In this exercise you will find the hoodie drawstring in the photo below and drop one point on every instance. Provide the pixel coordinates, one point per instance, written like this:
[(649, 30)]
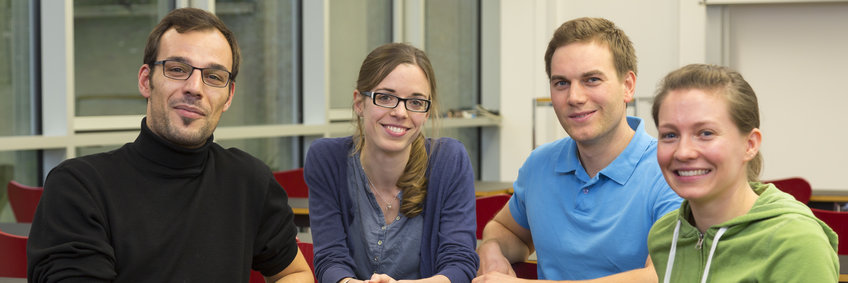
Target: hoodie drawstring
[(670, 264)]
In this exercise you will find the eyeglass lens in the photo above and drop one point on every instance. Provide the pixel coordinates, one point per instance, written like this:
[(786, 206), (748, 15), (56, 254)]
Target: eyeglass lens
[(182, 71), (391, 101)]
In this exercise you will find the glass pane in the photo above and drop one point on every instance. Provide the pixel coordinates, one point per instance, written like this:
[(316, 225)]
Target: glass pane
[(109, 39), (267, 86), (16, 97), (21, 166), (279, 153), (267, 90), (356, 28), (452, 39)]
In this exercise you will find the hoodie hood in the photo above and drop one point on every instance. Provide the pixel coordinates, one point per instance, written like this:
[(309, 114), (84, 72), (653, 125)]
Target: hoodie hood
[(772, 203)]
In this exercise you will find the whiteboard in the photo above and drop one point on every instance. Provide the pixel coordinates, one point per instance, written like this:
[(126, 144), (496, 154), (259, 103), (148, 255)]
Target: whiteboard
[(795, 56)]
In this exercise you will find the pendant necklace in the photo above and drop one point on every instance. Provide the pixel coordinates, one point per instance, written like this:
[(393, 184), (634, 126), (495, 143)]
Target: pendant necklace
[(374, 189)]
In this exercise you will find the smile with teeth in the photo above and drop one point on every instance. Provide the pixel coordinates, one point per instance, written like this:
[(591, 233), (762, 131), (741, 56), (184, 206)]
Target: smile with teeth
[(577, 116), (687, 173), (395, 129)]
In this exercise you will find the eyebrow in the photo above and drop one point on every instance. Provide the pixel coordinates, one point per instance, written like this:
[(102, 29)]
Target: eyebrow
[(210, 66), (395, 92), (592, 73)]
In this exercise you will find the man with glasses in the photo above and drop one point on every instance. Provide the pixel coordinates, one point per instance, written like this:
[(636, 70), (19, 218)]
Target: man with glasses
[(584, 203), (172, 206)]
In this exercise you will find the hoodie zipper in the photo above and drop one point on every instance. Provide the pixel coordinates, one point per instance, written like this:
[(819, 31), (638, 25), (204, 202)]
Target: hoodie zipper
[(700, 241)]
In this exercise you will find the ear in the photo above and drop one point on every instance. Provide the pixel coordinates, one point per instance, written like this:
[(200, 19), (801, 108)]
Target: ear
[(144, 80), (357, 103), (629, 86), (230, 98), (755, 138)]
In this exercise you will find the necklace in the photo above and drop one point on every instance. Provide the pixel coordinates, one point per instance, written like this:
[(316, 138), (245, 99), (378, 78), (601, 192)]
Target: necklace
[(374, 189)]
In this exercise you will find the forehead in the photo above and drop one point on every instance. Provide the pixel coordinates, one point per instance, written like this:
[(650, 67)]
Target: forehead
[(577, 58), (694, 104), (201, 48), (406, 79)]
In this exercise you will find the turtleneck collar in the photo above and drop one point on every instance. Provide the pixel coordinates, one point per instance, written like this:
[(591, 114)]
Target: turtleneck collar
[(171, 157)]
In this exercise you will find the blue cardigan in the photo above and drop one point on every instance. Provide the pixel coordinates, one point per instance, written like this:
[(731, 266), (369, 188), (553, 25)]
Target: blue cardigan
[(448, 245)]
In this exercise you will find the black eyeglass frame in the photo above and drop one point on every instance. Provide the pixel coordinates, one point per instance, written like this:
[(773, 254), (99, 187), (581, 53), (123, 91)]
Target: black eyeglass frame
[(373, 96), (202, 77)]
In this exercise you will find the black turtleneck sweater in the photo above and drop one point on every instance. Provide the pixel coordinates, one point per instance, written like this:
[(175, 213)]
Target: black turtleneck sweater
[(151, 211)]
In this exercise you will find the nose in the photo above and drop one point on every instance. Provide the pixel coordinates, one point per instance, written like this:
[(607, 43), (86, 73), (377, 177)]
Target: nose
[(194, 83), (576, 95), (400, 109), (686, 149)]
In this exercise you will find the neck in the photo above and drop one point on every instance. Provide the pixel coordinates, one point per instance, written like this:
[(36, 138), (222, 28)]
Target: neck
[(736, 202), (596, 155), (383, 170)]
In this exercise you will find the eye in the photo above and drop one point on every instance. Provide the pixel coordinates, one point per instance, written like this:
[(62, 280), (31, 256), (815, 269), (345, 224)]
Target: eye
[(667, 136), (384, 98), (561, 83), (706, 133), (216, 77), (593, 81), (178, 69)]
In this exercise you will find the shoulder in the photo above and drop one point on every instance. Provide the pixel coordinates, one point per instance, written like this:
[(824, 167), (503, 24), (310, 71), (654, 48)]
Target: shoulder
[(553, 150), (236, 158), (445, 146)]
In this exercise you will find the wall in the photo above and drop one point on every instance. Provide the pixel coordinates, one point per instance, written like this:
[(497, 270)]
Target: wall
[(525, 29)]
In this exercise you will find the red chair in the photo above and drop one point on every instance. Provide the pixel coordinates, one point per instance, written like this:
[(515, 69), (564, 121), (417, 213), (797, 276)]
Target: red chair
[(838, 221), (13, 260), (24, 200), (525, 269), (487, 207), (796, 186), (293, 182)]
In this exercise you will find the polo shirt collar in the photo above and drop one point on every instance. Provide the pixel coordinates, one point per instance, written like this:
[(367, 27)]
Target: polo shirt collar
[(622, 168)]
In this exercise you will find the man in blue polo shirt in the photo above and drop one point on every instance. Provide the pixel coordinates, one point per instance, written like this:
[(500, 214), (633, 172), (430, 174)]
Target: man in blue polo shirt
[(584, 203)]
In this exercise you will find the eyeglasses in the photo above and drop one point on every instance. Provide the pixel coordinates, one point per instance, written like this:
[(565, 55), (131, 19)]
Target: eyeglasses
[(391, 101), (181, 71)]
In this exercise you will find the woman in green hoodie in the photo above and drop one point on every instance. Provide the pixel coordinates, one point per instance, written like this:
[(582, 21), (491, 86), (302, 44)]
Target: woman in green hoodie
[(730, 227)]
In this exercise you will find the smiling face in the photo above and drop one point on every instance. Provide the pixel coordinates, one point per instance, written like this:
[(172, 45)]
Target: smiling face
[(701, 152), (186, 112), (588, 96), (392, 130)]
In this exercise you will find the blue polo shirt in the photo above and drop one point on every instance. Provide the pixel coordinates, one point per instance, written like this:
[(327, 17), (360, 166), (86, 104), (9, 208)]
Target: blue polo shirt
[(585, 228)]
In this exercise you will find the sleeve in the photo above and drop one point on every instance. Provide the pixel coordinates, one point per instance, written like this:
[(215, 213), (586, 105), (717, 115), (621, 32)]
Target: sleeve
[(516, 202), (666, 199), (323, 166), (69, 239), (456, 257), (275, 246), (802, 253)]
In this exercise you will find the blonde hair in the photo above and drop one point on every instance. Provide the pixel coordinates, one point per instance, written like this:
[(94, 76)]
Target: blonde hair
[(376, 66), (741, 99)]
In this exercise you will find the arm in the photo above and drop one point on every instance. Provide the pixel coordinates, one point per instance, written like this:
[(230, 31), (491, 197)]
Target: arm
[(504, 242), (645, 274), (70, 236), (325, 164), (450, 251), (297, 271)]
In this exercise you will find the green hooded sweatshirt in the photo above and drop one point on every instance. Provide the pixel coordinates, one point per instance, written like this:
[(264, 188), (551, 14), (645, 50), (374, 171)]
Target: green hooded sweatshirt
[(778, 240)]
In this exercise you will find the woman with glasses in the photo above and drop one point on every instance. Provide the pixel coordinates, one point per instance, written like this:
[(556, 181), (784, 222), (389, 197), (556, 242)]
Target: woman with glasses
[(387, 203), (730, 227)]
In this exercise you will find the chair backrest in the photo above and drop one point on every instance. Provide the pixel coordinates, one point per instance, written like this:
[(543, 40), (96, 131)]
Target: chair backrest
[(838, 221), (24, 200), (305, 248), (293, 182), (795, 186), (525, 269), (487, 207), (13, 261)]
